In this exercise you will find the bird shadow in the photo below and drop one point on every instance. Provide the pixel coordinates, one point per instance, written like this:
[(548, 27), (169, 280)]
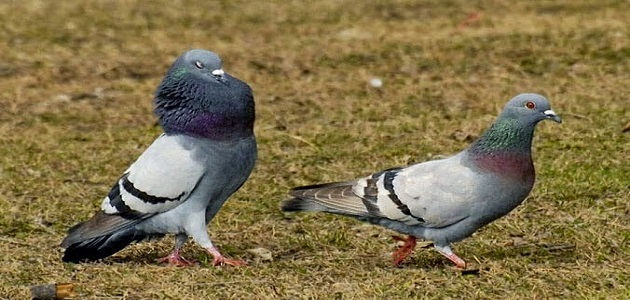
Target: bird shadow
[(535, 253), (132, 259), (423, 258)]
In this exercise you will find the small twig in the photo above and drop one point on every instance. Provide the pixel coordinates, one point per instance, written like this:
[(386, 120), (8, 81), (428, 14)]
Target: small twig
[(583, 117), (301, 139), (557, 247)]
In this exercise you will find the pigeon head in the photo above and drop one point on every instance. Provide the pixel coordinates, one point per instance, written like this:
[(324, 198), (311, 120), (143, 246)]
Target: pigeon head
[(197, 98), (505, 148), (530, 109)]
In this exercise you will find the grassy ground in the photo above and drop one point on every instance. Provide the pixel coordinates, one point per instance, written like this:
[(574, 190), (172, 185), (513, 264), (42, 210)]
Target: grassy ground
[(76, 84)]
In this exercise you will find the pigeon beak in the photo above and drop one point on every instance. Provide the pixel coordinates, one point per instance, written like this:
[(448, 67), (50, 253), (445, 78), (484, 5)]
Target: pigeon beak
[(219, 74), (550, 114)]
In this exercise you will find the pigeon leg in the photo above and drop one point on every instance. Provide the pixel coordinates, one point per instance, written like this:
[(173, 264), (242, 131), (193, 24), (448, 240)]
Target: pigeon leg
[(220, 260), (174, 258), (404, 251), (448, 253), (199, 233)]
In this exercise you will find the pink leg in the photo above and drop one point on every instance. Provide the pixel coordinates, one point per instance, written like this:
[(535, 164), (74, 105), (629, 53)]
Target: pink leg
[(220, 260), (175, 259), (404, 251), (448, 253)]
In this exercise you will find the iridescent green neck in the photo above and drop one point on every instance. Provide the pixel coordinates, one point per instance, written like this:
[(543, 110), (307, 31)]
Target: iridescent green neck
[(506, 134), (505, 149)]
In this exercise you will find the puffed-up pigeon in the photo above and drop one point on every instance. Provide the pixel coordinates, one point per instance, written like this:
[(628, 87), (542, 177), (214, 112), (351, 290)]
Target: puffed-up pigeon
[(445, 200), (180, 182)]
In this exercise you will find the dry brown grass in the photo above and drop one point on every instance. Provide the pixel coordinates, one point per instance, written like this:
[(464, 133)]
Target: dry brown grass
[(76, 82)]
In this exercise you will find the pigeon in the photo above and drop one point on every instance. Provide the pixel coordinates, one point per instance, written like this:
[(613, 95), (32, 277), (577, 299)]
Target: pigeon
[(445, 200), (206, 152)]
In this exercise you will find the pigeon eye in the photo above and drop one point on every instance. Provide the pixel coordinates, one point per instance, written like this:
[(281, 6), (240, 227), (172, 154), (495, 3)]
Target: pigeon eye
[(199, 65), (530, 105)]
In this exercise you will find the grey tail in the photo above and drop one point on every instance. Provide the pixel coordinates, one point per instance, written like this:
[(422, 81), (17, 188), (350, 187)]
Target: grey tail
[(99, 247), (100, 237), (299, 204), (337, 198)]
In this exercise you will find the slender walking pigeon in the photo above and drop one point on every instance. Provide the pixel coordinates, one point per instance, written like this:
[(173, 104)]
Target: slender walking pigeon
[(444, 200), (180, 182)]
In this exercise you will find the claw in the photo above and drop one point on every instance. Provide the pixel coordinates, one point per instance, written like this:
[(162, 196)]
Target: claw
[(220, 260)]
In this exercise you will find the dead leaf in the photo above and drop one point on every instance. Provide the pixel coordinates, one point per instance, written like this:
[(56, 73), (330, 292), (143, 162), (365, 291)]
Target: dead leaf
[(261, 254)]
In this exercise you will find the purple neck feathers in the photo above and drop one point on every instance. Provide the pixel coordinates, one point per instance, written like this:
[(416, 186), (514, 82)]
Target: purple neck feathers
[(505, 149)]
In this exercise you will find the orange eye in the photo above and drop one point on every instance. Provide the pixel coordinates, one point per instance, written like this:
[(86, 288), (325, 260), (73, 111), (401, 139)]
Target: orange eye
[(530, 105)]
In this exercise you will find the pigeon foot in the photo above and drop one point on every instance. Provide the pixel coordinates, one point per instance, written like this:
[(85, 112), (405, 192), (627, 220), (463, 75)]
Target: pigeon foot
[(176, 260), (404, 251), (448, 253), (220, 260)]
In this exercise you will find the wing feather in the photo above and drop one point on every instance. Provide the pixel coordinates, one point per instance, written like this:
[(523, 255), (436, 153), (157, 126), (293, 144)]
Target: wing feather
[(440, 192), (159, 180)]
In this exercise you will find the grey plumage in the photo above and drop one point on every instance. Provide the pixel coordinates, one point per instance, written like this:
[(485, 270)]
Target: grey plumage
[(445, 200), (180, 182)]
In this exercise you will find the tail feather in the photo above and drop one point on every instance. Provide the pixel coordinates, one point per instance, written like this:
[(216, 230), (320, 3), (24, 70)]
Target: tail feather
[(299, 204), (100, 237), (337, 198), (100, 247)]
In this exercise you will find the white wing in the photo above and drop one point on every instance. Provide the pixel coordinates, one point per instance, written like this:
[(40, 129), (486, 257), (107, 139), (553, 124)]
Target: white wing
[(161, 178), (435, 193)]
